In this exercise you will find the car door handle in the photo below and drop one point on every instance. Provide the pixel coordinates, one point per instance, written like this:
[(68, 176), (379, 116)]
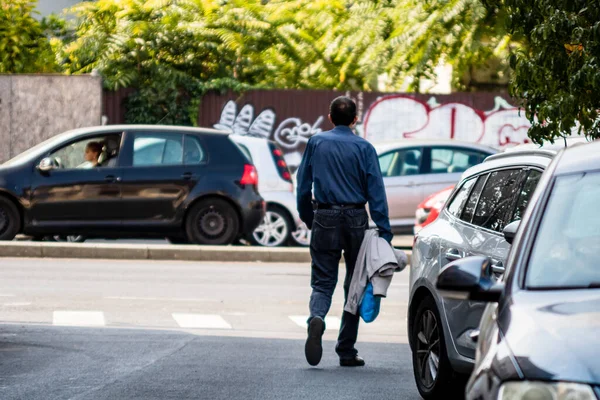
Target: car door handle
[(474, 335), (187, 176), (498, 268), (112, 178), (453, 254)]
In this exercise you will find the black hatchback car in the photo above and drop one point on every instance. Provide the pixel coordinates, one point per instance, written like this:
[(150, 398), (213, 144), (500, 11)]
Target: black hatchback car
[(187, 184), (540, 331)]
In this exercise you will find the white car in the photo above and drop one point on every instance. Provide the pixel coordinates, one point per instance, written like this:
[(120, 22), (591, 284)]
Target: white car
[(282, 224)]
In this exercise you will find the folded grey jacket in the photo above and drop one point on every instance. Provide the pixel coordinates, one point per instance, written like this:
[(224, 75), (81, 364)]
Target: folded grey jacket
[(377, 261)]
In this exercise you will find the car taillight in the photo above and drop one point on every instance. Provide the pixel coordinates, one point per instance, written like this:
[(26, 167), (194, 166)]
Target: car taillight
[(250, 176), (282, 167)]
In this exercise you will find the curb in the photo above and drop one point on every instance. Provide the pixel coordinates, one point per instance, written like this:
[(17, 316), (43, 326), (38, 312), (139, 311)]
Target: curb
[(157, 252)]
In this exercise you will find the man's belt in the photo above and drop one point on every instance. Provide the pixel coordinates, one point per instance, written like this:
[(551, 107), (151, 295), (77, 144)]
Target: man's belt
[(323, 206)]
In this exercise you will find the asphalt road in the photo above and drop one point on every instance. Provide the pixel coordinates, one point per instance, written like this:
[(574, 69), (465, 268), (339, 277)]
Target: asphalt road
[(94, 329)]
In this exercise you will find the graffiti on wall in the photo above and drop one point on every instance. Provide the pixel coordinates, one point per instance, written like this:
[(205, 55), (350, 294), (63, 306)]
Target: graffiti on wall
[(389, 118), (399, 117), (291, 134)]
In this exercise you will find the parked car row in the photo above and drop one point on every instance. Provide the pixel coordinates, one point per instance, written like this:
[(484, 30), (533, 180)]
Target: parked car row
[(535, 299), (186, 184)]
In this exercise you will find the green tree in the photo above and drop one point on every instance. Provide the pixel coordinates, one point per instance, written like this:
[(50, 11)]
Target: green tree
[(24, 45), (557, 74)]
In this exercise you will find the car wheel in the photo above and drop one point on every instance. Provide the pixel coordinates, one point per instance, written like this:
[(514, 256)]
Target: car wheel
[(431, 367), (10, 219), (302, 236), (212, 221), (274, 230)]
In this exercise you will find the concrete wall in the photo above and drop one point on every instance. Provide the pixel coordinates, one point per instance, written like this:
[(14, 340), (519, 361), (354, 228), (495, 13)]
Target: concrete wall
[(34, 108)]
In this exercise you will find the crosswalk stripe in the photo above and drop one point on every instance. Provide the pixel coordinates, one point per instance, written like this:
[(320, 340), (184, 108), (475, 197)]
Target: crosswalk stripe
[(201, 321), (330, 322), (78, 318)]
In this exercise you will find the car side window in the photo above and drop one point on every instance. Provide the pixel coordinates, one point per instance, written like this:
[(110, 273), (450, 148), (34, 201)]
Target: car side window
[(100, 151), (401, 163), (154, 149), (193, 153), (456, 205), (469, 210), (533, 178), (497, 199), (454, 160)]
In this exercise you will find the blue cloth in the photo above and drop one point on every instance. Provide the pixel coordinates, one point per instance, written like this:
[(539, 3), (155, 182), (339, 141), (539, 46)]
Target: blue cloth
[(344, 169), (370, 305)]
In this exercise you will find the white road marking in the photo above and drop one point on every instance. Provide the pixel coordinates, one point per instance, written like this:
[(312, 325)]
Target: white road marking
[(160, 299), (17, 304), (330, 322), (201, 321), (78, 318), (7, 295)]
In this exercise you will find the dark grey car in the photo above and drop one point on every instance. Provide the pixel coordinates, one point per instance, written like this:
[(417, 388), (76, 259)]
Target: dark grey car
[(539, 333), (442, 331)]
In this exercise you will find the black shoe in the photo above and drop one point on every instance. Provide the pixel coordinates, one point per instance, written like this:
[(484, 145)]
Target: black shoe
[(352, 362), (313, 348)]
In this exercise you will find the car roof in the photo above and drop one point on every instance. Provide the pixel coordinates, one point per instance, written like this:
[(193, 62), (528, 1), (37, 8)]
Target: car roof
[(537, 158), (136, 127), (404, 143), (579, 158)]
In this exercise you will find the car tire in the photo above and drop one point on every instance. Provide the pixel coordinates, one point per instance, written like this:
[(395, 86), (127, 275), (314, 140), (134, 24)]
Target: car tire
[(433, 373), (274, 230), (213, 222), (10, 219)]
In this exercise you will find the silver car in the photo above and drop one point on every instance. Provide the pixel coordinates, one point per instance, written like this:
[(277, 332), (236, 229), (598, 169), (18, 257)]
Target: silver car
[(443, 332), (414, 169)]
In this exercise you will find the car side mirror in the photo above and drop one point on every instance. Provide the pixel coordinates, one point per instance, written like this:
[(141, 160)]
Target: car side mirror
[(469, 278), (510, 231), (46, 165)]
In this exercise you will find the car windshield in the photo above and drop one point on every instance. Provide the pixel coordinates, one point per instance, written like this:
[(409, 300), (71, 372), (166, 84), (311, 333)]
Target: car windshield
[(565, 254), (39, 149)]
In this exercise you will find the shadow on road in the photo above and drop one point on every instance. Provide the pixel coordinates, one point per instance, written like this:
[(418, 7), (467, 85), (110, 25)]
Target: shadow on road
[(48, 362)]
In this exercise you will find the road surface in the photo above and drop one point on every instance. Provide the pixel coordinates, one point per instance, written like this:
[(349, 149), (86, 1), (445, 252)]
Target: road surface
[(96, 329)]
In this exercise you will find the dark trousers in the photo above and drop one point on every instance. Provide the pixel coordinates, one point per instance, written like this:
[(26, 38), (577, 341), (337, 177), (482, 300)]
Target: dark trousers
[(334, 231)]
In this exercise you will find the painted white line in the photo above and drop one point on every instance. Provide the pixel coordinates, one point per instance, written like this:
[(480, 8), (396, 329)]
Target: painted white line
[(330, 322), (78, 318), (160, 299), (17, 304), (201, 321), (7, 295)]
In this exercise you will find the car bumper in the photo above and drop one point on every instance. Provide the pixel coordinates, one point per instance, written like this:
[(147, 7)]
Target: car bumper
[(253, 208)]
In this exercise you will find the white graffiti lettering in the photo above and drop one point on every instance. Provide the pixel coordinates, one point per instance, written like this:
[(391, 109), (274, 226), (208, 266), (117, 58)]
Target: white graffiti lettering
[(292, 133)]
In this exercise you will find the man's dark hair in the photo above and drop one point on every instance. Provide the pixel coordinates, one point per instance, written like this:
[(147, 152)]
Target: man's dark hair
[(94, 147), (342, 111)]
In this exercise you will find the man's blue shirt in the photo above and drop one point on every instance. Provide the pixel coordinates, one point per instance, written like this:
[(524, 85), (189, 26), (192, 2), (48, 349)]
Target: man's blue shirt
[(344, 169)]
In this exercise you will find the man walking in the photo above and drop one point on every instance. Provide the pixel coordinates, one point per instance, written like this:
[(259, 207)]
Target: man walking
[(344, 170)]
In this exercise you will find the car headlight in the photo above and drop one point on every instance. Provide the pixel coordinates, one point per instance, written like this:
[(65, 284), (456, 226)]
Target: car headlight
[(545, 391)]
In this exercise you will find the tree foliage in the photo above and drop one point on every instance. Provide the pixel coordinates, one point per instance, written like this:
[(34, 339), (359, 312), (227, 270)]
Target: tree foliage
[(557, 74), (24, 44), (172, 51)]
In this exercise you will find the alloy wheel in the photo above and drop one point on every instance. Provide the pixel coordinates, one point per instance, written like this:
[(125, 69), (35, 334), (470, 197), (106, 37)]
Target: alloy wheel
[(428, 349), (273, 230)]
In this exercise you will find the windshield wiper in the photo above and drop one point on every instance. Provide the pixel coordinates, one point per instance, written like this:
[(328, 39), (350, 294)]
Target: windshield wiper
[(594, 285)]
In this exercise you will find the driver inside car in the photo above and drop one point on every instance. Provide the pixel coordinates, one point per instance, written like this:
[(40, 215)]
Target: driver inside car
[(91, 155)]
